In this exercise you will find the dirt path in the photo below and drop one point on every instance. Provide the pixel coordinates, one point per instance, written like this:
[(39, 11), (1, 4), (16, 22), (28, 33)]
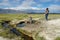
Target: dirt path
[(52, 29), (1, 38)]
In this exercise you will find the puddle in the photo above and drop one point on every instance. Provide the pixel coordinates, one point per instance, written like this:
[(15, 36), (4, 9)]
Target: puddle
[(21, 24), (5, 24), (18, 33)]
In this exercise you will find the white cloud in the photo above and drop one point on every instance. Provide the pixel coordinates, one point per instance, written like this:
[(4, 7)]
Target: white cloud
[(57, 0), (49, 1), (5, 3), (26, 5), (16, 0), (45, 0), (54, 7), (23, 8)]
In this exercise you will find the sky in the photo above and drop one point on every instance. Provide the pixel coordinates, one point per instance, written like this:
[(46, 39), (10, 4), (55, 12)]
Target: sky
[(53, 5)]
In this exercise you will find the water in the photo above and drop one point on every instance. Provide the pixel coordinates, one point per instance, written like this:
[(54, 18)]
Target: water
[(21, 25)]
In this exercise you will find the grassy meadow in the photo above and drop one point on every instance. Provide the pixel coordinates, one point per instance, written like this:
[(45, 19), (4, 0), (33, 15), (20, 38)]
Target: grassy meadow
[(23, 16)]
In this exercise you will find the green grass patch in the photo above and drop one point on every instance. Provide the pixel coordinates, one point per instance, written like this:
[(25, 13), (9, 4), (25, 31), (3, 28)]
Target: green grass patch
[(57, 38)]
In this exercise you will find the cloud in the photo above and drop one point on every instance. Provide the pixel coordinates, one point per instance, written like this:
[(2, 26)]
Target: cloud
[(54, 7), (24, 8), (54, 1), (45, 0), (57, 0), (5, 3), (16, 0), (26, 4)]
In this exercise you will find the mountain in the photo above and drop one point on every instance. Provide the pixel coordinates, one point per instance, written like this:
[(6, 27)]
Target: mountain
[(19, 11), (8, 11)]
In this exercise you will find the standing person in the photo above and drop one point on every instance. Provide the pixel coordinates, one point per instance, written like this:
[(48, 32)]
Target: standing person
[(46, 13)]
